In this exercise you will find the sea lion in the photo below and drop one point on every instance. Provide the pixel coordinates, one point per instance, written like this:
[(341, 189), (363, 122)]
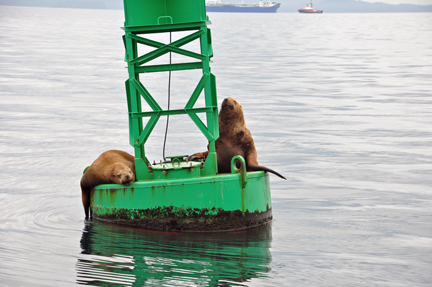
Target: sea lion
[(234, 139), (113, 166)]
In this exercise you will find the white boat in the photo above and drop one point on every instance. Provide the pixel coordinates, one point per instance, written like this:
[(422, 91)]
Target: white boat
[(261, 7)]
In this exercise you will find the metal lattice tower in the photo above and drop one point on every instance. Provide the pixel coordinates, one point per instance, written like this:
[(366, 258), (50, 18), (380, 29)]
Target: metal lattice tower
[(144, 17)]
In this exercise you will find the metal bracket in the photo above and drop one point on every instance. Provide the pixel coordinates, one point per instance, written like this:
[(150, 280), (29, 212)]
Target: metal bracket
[(238, 165)]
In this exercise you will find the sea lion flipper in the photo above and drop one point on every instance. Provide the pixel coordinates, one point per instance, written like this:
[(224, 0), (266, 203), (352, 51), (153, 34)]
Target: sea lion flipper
[(86, 202), (199, 155), (263, 168)]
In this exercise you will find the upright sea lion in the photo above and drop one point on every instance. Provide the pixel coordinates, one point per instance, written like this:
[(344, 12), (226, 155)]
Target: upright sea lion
[(234, 139), (113, 166)]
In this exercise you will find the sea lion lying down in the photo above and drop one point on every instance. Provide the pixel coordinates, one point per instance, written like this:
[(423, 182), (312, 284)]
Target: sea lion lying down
[(234, 139), (113, 166)]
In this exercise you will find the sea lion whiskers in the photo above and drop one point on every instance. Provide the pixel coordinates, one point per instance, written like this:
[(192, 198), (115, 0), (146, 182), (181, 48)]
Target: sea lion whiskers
[(122, 174)]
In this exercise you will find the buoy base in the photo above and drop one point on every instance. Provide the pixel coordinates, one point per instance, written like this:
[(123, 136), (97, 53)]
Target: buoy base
[(221, 202), (198, 222)]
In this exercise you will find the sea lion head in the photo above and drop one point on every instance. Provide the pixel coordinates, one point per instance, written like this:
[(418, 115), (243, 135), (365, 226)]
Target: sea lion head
[(231, 110), (122, 174)]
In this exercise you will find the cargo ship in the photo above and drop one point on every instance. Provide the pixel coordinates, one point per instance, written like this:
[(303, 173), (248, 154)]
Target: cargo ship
[(261, 7)]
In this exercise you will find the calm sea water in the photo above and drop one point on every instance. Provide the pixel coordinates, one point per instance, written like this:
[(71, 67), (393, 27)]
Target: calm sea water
[(341, 104)]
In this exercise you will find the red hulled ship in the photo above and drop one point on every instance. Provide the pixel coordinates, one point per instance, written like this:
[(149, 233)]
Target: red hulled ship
[(309, 9)]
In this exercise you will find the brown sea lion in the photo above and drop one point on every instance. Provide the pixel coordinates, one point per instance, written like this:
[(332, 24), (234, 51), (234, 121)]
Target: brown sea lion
[(113, 166), (234, 139)]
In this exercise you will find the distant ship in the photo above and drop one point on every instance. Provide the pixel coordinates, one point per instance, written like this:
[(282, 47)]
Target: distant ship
[(309, 9), (217, 6)]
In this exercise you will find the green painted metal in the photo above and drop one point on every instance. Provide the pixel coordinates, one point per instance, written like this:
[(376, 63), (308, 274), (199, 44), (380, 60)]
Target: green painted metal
[(205, 192), (162, 16), (177, 202), (178, 194), (159, 12)]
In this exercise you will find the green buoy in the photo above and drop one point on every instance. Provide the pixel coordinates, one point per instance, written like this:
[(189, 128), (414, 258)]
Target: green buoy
[(177, 194)]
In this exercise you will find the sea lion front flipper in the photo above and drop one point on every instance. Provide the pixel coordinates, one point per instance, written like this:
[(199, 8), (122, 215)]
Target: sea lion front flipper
[(199, 155)]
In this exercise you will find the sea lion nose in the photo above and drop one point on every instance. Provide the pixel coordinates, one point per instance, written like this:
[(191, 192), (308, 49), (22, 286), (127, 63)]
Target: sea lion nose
[(127, 176)]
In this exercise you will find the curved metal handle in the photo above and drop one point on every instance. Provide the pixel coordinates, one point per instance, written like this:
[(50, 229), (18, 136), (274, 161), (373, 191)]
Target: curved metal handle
[(165, 17), (238, 165), (174, 160)]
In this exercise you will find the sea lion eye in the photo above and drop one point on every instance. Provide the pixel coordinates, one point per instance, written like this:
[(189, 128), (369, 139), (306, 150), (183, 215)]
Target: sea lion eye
[(235, 102)]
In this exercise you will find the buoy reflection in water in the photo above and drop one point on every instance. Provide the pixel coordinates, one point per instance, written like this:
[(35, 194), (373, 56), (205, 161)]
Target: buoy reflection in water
[(114, 255)]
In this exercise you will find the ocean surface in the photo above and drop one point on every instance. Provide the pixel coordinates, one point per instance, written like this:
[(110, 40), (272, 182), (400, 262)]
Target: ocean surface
[(341, 104)]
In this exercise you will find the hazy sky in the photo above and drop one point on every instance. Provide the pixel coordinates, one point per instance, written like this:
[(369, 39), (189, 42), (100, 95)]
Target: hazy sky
[(419, 2)]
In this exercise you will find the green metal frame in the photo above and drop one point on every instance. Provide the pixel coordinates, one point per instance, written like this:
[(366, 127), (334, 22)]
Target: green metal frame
[(137, 26)]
